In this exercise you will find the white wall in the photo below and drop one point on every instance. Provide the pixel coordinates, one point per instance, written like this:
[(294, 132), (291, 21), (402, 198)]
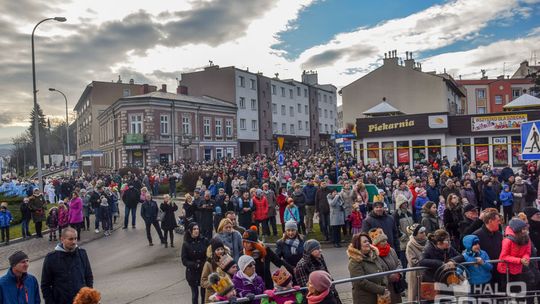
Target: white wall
[(327, 103), (279, 100), (248, 93)]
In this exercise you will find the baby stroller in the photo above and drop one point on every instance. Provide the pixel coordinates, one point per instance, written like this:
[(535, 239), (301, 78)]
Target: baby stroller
[(181, 225)]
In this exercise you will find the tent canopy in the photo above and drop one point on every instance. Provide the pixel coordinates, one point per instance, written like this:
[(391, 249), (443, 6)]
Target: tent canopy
[(523, 101), (383, 108)]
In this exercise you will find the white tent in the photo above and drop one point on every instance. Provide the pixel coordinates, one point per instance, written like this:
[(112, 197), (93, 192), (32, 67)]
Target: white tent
[(381, 109), (522, 102)]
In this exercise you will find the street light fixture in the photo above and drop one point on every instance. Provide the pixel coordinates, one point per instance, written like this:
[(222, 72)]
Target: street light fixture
[(36, 120), (68, 158)]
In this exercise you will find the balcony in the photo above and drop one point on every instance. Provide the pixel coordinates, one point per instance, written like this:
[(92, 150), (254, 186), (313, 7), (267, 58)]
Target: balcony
[(135, 139)]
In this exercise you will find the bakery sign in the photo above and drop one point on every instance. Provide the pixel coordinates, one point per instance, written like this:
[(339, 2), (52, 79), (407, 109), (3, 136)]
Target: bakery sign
[(497, 122)]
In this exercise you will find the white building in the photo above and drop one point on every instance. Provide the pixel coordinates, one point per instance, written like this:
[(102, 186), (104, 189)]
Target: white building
[(327, 108), (248, 106)]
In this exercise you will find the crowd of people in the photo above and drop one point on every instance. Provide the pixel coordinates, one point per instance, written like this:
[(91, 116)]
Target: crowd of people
[(436, 214)]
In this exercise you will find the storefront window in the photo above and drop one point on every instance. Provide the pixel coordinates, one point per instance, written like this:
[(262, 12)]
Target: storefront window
[(481, 150), (434, 150), (388, 153), (500, 151), (403, 152), (419, 154), (516, 151), (466, 142), (373, 152), (362, 153)]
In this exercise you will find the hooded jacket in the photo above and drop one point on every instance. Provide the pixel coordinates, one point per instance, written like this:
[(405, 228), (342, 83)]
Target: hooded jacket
[(12, 292), (433, 258), (478, 274), (513, 253), (64, 274), (366, 290), (403, 219)]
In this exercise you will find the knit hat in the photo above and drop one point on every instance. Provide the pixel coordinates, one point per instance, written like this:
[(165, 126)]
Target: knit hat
[(251, 235), (17, 257), (400, 200), (415, 229), (221, 285), (530, 211), (378, 204), (311, 245), (320, 280), (468, 208), (377, 235), (517, 225), (281, 277), (291, 225), (244, 261), (216, 243), (259, 192), (226, 262)]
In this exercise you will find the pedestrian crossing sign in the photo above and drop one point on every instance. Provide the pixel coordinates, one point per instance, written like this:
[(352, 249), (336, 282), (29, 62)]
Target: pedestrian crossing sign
[(530, 140)]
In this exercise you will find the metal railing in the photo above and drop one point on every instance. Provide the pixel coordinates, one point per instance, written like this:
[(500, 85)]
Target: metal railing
[(378, 274)]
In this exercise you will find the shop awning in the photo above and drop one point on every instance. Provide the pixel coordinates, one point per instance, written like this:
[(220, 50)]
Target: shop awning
[(522, 102)]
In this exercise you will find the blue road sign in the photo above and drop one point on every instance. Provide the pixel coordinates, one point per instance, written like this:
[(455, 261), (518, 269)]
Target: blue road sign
[(347, 146), (281, 159), (74, 165), (530, 140), (346, 135)]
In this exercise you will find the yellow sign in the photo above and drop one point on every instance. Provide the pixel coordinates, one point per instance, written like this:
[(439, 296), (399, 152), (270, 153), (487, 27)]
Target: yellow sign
[(390, 126), (280, 141)]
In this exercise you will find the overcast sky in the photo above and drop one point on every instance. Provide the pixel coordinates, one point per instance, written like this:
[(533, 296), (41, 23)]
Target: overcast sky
[(155, 41)]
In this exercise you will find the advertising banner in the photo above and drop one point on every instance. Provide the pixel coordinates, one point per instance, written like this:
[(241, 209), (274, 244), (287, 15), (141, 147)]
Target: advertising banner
[(498, 122)]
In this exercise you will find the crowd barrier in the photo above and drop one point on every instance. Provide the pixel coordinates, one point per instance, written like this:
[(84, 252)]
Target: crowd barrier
[(419, 270)]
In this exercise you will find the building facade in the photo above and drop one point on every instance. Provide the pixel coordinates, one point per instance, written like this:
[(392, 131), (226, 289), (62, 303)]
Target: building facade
[(160, 128)]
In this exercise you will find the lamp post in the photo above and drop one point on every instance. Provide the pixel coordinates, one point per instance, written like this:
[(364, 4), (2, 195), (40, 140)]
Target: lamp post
[(67, 129), (36, 120)]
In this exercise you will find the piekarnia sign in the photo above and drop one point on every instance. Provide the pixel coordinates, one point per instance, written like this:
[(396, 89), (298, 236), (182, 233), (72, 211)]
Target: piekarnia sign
[(390, 126), (402, 125)]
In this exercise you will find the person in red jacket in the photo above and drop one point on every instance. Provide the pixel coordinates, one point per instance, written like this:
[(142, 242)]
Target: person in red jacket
[(260, 216), (282, 204), (516, 250)]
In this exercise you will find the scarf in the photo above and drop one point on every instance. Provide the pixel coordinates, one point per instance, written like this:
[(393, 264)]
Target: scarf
[(258, 247), (293, 244), (242, 275), (383, 250), (315, 299)]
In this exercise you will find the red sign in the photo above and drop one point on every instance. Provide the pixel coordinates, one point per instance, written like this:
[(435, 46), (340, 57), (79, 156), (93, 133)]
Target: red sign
[(403, 156), (482, 154)]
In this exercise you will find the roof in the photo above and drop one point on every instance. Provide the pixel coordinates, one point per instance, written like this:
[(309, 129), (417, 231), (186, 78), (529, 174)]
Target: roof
[(490, 81), (382, 108), (206, 100), (523, 101)]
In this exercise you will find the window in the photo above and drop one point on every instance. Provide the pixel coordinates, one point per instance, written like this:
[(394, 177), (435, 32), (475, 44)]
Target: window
[(242, 103), (273, 89), (466, 142), (292, 128), (254, 104), (387, 153), (320, 112), (306, 109), (264, 113), (242, 124), (291, 111), (320, 126), (136, 124), (299, 125), (480, 94), (206, 126), (319, 97), (274, 108), (325, 113), (207, 154), (305, 92), (330, 99), (516, 151), (219, 153), (254, 125), (241, 81), (481, 150), (283, 110), (481, 110), (331, 128), (164, 124), (498, 99), (419, 154), (228, 128), (307, 126), (434, 150), (126, 92), (252, 84), (331, 114), (230, 152), (324, 98), (500, 151), (186, 125), (284, 128), (299, 108), (282, 92), (516, 93), (290, 93), (298, 91), (274, 127), (218, 127), (326, 128)]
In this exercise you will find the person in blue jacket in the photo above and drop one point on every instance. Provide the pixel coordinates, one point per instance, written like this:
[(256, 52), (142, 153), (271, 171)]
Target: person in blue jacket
[(479, 273), (17, 286), (507, 200)]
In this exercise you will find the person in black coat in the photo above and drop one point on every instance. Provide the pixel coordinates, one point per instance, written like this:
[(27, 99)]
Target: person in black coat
[(168, 223), (193, 257), (438, 253), (489, 197), (471, 221), (131, 198), (378, 218), (206, 215), (149, 213), (65, 270), (26, 216), (491, 238)]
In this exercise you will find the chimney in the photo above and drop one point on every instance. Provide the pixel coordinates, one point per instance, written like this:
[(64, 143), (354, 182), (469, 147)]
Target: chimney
[(409, 61), (119, 79), (182, 90), (392, 58), (131, 81), (164, 88), (146, 90)]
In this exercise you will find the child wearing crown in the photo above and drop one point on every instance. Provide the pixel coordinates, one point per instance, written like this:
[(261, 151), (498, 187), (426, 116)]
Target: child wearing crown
[(282, 281)]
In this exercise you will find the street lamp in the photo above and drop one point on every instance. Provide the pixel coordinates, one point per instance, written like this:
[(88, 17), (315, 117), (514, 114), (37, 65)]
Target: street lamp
[(36, 120), (67, 126)]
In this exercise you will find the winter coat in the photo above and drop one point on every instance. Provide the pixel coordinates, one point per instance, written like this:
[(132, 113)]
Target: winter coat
[(307, 265), (245, 217), (491, 242), (430, 222), (521, 191), (13, 293), (490, 198), (271, 199), (366, 290), (310, 192), (534, 233), (262, 265), (291, 213), (26, 214), (321, 201), (299, 199), (478, 274), (413, 253), (209, 267), (506, 198), (244, 286), (5, 218), (149, 211), (470, 195), (433, 258), (348, 199), (403, 219), (261, 208), (451, 219), (420, 202), (512, 253), (233, 241), (193, 257), (356, 219), (337, 214), (169, 219), (131, 197), (38, 208), (468, 226), (63, 216), (391, 262), (64, 274), (284, 250), (433, 193), (386, 223), (76, 211)]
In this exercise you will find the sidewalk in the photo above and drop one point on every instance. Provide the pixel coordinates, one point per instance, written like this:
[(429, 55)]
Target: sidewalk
[(38, 248)]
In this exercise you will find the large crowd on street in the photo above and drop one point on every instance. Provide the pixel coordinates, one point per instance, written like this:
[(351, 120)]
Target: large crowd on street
[(451, 217)]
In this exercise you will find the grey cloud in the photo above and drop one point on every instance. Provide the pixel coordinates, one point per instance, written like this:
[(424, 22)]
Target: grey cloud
[(488, 60), (30, 10), (328, 57)]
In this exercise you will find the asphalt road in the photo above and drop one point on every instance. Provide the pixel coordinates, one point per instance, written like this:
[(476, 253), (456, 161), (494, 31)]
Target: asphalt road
[(127, 270)]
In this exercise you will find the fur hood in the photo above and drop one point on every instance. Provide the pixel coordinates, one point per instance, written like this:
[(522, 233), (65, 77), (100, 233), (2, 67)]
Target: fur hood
[(357, 256)]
